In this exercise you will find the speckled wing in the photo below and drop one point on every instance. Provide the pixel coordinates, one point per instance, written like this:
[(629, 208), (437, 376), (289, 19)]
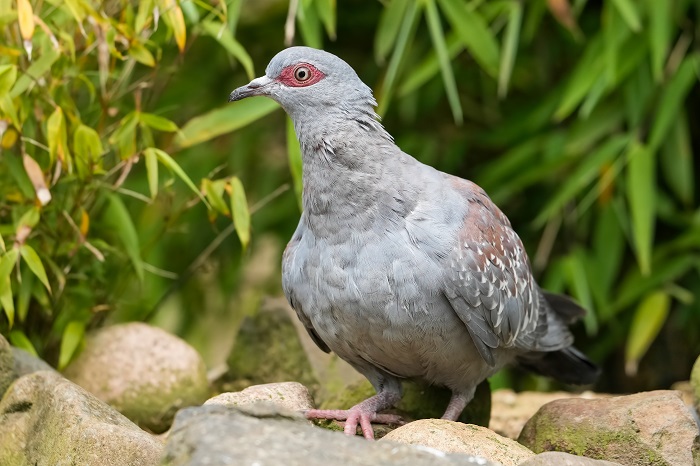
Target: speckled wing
[(489, 283), (288, 268)]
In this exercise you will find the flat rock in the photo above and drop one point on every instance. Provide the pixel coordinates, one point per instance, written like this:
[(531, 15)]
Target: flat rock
[(455, 437), (510, 410), (557, 458), (648, 428), (146, 373), (7, 365), (263, 434), (292, 396), (48, 420)]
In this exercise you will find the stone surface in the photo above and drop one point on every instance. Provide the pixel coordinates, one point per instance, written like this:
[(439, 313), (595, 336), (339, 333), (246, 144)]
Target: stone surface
[(556, 458), (695, 383), (264, 435), (648, 428), (7, 365), (510, 410), (26, 363), (48, 420), (292, 396), (455, 437), (147, 374)]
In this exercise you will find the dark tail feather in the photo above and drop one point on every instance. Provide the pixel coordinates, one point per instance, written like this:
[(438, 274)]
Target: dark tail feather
[(567, 365), (566, 308)]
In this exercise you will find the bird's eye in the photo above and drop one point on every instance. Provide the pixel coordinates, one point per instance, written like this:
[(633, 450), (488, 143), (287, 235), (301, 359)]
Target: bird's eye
[(302, 73)]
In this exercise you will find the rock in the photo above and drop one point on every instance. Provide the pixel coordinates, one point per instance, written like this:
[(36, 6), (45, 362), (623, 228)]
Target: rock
[(556, 458), (26, 363), (267, 350), (510, 410), (695, 383), (264, 435), (147, 374), (455, 437), (292, 396), (648, 428), (46, 420), (7, 365)]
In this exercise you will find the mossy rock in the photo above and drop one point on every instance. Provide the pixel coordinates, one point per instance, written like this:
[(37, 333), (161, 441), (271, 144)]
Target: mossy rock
[(267, 350)]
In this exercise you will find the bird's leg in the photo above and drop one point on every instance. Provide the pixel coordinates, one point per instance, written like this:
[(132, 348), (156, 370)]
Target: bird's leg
[(363, 413), (457, 404)]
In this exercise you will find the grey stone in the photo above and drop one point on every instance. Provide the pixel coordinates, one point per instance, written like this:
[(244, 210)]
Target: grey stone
[(46, 420), (648, 428), (289, 395), (144, 372), (7, 365), (265, 435), (26, 363), (455, 437), (556, 458)]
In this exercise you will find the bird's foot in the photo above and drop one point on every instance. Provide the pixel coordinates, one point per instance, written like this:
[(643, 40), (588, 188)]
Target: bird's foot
[(357, 415)]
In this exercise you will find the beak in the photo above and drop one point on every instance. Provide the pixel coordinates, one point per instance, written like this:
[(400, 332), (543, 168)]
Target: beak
[(255, 87)]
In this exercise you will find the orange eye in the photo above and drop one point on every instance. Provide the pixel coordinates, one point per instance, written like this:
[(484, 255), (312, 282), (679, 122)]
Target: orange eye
[(302, 73)]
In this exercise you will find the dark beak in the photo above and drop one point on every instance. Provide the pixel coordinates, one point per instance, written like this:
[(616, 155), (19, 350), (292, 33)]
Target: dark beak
[(256, 87)]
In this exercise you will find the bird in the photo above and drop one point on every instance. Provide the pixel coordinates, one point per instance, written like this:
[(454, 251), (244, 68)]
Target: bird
[(403, 271)]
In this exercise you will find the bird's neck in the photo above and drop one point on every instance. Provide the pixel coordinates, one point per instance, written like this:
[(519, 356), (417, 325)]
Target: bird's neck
[(345, 172)]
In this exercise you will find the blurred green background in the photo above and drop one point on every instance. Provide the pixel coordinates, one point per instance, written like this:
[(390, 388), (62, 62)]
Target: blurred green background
[(579, 118)]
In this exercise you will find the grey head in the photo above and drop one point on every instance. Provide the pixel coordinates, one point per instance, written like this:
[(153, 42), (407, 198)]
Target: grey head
[(311, 84)]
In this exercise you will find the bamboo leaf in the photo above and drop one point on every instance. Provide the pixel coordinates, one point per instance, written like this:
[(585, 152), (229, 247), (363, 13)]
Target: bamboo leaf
[(474, 33), (38, 68), (388, 28), (20, 340), (7, 264), (25, 18), (170, 163), (224, 120), (406, 31), (36, 177), (438, 37), (295, 161), (31, 258), (172, 13), (327, 14), (71, 340), (157, 122), (629, 13), (224, 36), (677, 161), (510, 47), (118, 220), (88, 151), (429, 67), (672, 100), (241, 214), (309, 24), (214, 190), (660, 24), (575, 269), (649, 318), (151, 172), (141, 54), (8, 75), (641, 195), (57, 136)]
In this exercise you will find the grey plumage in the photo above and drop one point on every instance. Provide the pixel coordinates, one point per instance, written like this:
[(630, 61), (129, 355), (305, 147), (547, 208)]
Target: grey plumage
[(402, 270)]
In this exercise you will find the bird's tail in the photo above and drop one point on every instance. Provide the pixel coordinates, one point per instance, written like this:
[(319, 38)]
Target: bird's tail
[(568, 364)]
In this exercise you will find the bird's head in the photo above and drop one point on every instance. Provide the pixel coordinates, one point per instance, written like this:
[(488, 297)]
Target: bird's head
[(308, 82)]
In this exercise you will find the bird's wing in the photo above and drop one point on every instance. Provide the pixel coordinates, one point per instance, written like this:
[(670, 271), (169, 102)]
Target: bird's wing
[(488, 281), (288, 259)]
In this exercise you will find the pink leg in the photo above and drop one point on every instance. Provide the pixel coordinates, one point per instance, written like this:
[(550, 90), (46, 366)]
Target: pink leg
[(457, 404), (362, 413)]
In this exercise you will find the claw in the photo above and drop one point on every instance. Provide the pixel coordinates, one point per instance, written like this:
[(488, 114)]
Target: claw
[(354, 417)]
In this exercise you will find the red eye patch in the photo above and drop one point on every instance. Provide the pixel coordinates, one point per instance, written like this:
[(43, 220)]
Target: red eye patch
[(300, 75)]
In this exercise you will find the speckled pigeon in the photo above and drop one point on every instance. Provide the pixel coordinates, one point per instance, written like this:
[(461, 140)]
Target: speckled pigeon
[(403, 271)]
